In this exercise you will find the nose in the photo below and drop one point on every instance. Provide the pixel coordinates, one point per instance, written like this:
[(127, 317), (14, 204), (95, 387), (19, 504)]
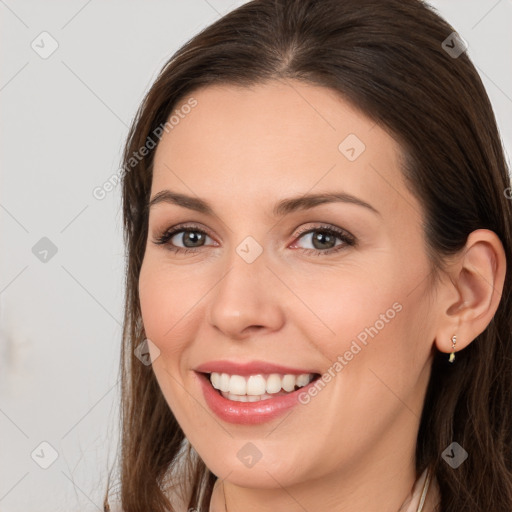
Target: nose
[(247, 299)]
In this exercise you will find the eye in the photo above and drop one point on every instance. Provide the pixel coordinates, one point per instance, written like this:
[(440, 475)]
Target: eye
[(323, 239), (192, 237)]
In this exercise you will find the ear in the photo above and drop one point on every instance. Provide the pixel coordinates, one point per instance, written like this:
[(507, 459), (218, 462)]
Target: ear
[(470, 300)]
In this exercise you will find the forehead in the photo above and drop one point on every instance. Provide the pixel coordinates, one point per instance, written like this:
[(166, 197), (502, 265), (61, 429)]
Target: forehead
[(278, 138)]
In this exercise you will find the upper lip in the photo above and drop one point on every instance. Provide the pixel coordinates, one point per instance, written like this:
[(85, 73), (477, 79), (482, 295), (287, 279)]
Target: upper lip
[(248, 368)]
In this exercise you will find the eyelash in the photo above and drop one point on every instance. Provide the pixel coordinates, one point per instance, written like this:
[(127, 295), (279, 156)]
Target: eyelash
[(347, 239)]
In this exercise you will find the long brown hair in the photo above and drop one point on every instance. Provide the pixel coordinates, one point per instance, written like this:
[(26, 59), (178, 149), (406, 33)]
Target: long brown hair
[(387, 58)]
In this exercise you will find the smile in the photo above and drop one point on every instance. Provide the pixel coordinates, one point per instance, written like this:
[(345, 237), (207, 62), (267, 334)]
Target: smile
[(252, 393), (254, 388)]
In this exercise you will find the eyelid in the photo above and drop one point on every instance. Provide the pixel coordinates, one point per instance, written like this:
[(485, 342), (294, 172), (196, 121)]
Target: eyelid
[(168, 233), (346, 237), (327, 227)]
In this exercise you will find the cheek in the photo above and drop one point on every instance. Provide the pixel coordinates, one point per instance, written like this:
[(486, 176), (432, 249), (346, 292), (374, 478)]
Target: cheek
[(373, 357), (164, 302), (165, 298), (368, 319), (348, 307)]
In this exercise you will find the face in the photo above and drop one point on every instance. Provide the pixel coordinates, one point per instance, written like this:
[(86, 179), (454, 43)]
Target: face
[(273, 293)]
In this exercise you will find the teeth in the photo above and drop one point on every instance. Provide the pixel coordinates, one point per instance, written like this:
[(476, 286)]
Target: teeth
[(257, 387), (303, 380), (245, 398), (224, 382), (289, 382), (215, 380), (274, 383), (237, 385)]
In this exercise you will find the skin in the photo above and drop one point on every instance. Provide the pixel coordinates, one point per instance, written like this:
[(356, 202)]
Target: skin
[(351, 448)]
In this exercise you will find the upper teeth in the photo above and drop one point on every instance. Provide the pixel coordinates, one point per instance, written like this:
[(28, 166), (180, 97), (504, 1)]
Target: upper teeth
[(258, 384)]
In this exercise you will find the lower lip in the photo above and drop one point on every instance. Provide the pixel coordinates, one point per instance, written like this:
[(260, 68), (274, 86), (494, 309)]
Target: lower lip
[(248, 413)]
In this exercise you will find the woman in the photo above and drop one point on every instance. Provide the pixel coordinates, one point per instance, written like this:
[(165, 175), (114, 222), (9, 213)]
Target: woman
[(317, 224)]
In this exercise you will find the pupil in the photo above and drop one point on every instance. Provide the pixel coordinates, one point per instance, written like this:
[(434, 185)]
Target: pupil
[(190, 235), (321, 238)]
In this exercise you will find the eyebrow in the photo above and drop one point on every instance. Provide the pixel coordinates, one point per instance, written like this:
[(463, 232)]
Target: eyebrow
[(283, 207)]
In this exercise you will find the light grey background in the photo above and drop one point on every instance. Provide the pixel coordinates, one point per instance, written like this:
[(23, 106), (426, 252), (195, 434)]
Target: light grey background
[(64, 120)]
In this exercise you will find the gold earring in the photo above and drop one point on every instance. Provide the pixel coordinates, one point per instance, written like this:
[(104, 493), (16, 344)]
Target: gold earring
[(452, 355)]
